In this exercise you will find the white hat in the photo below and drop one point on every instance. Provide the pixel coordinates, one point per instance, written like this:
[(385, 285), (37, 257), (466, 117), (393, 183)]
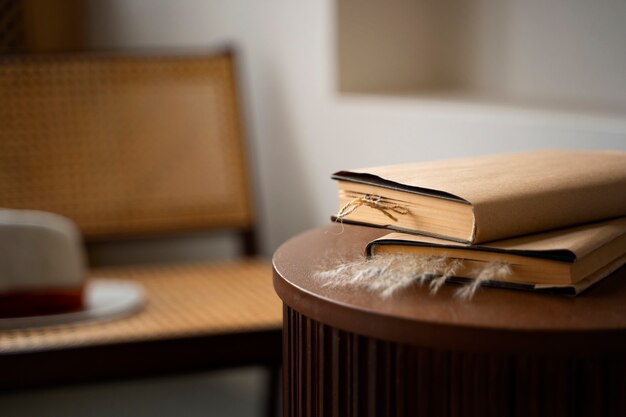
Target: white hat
[(39, 250)]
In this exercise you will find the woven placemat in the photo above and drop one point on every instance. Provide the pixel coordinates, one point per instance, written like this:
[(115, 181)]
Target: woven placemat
[(183, 300)]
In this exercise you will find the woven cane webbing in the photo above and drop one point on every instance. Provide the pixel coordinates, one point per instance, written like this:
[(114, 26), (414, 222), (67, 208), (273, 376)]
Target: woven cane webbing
[(124, 145), (185, 300)]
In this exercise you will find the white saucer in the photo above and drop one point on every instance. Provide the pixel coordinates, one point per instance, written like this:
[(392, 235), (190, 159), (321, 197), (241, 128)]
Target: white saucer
[(105, 299)]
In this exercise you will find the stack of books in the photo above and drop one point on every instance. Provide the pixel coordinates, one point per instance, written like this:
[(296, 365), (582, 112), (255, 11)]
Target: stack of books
[(556, 219)]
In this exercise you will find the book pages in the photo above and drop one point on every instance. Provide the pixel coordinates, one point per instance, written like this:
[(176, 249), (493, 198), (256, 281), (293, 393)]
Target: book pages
[(580, 241), (518, 194)]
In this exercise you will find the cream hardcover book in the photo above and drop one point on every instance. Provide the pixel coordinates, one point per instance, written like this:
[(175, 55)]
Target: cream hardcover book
[(569, 259), (481, 199)]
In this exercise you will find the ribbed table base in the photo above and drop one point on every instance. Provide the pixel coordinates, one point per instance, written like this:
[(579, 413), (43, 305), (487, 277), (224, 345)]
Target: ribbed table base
[(330, 372)]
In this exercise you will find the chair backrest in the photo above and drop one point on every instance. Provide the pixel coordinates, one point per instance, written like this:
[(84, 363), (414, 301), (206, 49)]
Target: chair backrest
[(125, 145)]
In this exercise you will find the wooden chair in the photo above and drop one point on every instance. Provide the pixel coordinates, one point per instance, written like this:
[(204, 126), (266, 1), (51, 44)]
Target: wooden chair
[(137, 146)]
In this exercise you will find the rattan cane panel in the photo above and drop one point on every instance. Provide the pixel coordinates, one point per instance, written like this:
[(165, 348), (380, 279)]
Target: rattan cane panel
[(124, 145), (184, 300)]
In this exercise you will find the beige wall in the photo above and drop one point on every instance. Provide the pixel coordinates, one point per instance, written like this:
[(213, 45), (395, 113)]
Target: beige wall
[(564, 53), (302, 129)]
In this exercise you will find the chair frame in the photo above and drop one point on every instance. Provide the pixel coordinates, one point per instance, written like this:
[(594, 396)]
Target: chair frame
[(150, 358)]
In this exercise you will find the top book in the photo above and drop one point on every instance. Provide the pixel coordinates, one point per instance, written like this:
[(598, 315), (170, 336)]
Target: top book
[(480, 199)]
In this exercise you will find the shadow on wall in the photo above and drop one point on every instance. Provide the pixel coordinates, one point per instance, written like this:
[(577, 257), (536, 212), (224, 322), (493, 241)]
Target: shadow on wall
[(279, 164)]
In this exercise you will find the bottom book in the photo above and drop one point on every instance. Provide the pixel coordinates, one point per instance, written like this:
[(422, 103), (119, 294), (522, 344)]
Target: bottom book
[(566, 260)]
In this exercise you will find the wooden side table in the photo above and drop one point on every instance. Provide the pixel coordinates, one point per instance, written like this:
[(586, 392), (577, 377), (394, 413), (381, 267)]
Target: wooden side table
[(504, 353)]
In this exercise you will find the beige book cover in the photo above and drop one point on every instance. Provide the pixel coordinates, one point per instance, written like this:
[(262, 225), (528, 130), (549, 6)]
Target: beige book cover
[(594, 250), (514, 194)]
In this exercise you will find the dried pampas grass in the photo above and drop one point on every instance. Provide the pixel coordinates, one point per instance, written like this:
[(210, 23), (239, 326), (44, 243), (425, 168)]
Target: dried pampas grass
[(388, 274), (491, 271)]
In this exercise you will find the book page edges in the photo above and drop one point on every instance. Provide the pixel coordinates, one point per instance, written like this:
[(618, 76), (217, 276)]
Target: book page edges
[(561, 289), (585, 283), (579, 241), (561, 255), (599, 235)]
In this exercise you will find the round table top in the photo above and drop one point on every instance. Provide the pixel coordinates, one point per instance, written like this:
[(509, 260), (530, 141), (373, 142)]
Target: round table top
[(496, 320)]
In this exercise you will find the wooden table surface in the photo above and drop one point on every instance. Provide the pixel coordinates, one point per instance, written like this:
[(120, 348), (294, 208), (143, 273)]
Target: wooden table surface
[(347, 352), (499, 320)]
